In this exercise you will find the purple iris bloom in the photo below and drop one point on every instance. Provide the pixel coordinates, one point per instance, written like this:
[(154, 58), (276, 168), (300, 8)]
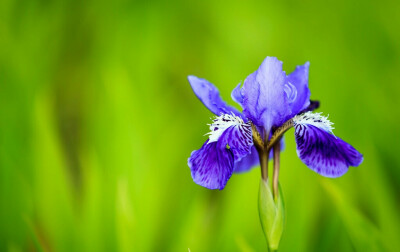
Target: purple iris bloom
[(270, 100)]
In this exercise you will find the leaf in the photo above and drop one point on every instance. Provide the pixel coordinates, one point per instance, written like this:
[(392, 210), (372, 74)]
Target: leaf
[(363, 233)]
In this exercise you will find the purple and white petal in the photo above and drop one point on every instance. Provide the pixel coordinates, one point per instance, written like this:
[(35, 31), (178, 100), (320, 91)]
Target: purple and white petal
[(265, 101), (230, 140), (320, 150), (233, 133), (211, 166), (299, 79), (209, 96)]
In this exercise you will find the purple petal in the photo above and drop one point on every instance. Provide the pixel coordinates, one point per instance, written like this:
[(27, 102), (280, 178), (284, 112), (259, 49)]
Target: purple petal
[(291, 93), (323, 152), (299, 79), (209, 96), (238, 139), (265, 102), (247, 162), (211, 166), (237, 95)]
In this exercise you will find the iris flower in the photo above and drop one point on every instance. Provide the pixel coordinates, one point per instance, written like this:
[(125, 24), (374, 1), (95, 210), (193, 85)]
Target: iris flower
[(272, 103)]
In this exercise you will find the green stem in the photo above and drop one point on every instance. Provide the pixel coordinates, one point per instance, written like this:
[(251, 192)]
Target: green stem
[(275, 182), (260, 145), (264, 165)]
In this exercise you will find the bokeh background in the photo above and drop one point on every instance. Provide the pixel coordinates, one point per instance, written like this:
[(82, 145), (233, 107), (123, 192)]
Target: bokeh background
[(97, 121)]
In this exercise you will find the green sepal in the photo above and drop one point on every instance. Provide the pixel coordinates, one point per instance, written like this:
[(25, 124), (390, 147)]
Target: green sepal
[(272, 214)]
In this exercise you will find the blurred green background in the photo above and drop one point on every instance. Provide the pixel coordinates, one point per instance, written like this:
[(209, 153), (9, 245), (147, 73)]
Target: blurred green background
[(97, 121)]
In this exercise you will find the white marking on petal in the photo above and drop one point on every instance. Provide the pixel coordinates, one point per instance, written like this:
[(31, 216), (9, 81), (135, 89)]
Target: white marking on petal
[(223, 122), (315, 119)]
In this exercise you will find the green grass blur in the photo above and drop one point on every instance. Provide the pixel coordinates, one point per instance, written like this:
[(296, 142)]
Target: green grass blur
[(97, 121)]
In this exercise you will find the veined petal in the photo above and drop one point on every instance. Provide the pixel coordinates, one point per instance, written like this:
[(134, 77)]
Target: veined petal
[(211, 166), (233, 133), (320, 150), (209, 96), (265, 102), (229, 141), (299, 79)]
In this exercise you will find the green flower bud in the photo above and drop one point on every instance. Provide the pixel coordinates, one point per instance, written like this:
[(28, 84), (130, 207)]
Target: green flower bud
[(272, 214)]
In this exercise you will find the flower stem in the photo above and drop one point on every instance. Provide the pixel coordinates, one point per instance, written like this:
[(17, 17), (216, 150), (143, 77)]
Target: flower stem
[(264, 165), (262, 154), (275, 184)]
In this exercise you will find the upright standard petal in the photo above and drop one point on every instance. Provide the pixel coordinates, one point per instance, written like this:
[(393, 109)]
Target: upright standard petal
[(299, 79), (211, 166), (209, 96), (320, 150), (237, 95), (265, 102)]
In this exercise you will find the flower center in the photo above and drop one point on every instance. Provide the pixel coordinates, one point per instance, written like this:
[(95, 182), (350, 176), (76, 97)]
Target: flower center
[(223, 122)]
